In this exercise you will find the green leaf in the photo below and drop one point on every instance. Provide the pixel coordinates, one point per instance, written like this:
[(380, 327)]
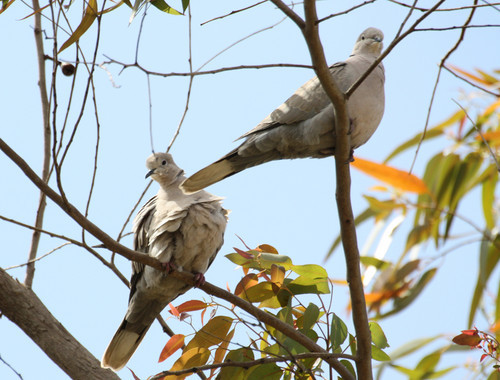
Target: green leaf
[(379, 355), (406, 270), (488, 259), (236, 356), (349, 366), (164, 7), (310, 270), (261, 260), (431, 133), (185, 4), (401, 303), (87, 20), (372, 261), (293, 347), (269, 371), (428, 363), (308, 285), (378, 337), (310, 316), (488, 197), (338, 333), (411, 347)]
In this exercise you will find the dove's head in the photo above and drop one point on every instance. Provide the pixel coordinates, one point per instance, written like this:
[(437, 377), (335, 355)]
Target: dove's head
[(162, 168), (369, 42)]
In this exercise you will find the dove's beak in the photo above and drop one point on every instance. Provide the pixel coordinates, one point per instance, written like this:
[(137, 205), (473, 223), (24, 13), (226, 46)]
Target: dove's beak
[(150, 173)]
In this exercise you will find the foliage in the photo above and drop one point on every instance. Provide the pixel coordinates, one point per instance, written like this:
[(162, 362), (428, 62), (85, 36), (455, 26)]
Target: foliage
[(467, 164), (272, 282)]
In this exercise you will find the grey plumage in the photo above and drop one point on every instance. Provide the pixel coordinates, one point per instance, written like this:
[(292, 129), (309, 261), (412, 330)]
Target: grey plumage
[(303, 126), (185, 231)]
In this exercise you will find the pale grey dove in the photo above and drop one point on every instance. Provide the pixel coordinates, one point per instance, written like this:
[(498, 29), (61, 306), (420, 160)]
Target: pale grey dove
[(183, 231), (303, 126)]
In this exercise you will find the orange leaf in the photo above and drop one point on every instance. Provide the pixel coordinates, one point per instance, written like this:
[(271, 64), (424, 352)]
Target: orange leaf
[(192, 305), (173, 344), (465, 339), (492, 137), (173, 310), (246, 282), (267, 248), (492, 107), (392, 176), (220, 353)]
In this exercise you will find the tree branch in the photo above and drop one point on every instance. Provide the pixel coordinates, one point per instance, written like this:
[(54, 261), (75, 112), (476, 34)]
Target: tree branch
[(25, 309), (343, 192), (130, 254)]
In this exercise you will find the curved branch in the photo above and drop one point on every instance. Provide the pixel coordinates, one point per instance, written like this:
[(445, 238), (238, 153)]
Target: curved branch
[(189, 278)]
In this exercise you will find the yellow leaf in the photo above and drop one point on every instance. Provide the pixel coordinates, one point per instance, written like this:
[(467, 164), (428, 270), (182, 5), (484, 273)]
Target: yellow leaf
[(221, 351), (492, 137), (392, 176), (491, 108), (473, 77), (211, 334), (173, 344), (277, 274), (87, 20), (192, 358)]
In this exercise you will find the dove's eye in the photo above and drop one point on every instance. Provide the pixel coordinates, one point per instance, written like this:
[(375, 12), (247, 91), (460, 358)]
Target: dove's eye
[(362, 37), (164, 162)]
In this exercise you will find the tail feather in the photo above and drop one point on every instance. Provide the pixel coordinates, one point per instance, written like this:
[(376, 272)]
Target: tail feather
[(207, 176), (122, 347)]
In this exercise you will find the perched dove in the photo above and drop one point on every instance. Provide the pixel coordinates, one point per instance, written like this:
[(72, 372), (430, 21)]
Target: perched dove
[(303, 126), (183, 231)]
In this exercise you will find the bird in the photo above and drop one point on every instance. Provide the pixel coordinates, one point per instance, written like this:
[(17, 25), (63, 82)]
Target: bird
[(184, 232), (303, 126)]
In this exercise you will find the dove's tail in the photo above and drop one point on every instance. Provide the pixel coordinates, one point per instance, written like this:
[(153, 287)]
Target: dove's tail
[(122, 347), (228, 165)]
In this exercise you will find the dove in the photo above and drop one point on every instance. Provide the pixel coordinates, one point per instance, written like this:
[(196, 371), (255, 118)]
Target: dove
[(303, 126), (184, 232)]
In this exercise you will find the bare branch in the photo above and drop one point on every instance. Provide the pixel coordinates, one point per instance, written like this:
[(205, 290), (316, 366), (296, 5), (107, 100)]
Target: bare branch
[(290, 13), (346, 11), (35, 240), (233, 12)]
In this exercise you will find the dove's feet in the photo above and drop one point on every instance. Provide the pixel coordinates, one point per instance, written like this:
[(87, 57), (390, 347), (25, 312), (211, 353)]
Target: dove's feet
[(168, 267), (351, 155), (199, 279)]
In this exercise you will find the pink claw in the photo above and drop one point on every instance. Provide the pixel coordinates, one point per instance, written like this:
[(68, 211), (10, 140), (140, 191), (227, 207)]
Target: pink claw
[(199, 279), (168, 267)]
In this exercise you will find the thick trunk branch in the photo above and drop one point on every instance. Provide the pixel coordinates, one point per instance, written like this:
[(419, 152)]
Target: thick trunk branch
[(24, 308)]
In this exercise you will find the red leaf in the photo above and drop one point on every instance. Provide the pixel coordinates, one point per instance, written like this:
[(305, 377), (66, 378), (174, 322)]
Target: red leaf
[(244, 254), (133, 374), (467, 339), (483, 356), (173, 344)]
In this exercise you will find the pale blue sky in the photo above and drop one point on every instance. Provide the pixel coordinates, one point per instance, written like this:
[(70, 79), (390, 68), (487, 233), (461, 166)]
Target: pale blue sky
[(288, 204)]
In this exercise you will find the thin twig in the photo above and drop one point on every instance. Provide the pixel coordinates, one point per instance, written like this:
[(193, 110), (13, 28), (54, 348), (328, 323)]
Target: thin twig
[(434, 90), (495, 94), (233, 12), (480, 134), (190, 85), (346, 11)]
